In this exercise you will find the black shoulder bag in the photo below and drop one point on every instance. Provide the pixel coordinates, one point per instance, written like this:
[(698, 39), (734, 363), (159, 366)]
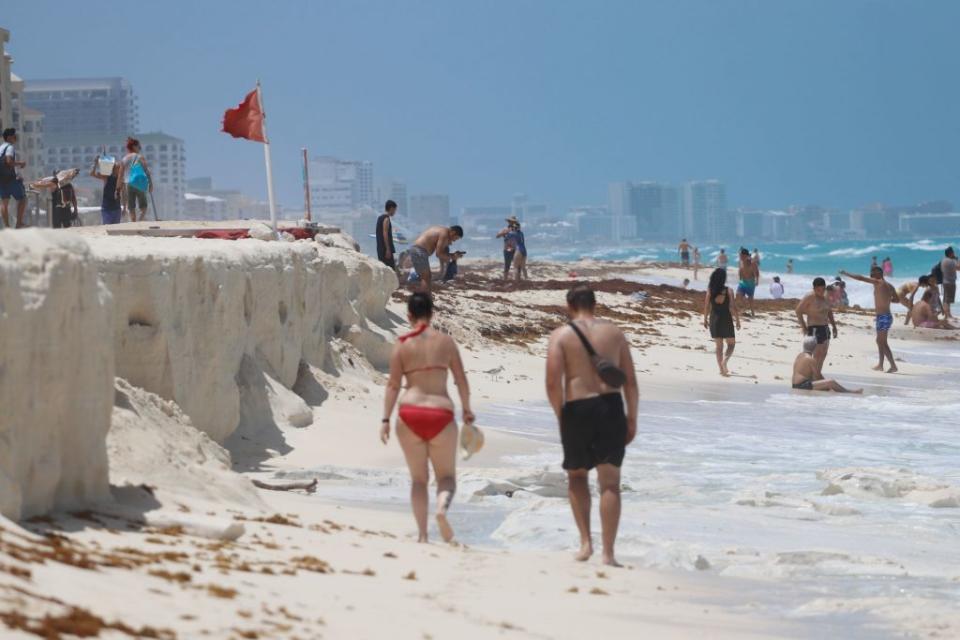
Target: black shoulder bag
[(610, 373)]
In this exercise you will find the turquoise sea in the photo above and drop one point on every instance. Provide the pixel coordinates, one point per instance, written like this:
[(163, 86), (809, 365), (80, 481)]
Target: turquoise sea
[(910, 257)]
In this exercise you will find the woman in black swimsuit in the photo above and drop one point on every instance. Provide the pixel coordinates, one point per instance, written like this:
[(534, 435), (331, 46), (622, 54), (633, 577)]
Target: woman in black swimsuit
[(717, 305)]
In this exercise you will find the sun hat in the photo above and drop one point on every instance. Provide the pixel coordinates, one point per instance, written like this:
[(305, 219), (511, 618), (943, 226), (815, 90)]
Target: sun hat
[(471, 440)]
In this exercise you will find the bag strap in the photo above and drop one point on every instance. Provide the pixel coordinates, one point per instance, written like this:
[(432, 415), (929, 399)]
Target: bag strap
[(583, 339)]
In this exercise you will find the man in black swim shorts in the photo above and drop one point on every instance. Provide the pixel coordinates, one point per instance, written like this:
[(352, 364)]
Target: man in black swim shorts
[(813, 314), (595, 428)]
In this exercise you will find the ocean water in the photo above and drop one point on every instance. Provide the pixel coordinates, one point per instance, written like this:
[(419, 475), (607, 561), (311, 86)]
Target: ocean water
[(835, 503), (910, 257), (795, 285)]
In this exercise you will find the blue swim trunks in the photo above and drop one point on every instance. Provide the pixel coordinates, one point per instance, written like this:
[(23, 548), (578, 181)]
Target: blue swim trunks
[(13, 189), (746, 287), (883, 322)]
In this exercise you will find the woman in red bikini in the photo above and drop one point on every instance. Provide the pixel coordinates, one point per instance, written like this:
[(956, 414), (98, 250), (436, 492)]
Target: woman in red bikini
[(426, 428)]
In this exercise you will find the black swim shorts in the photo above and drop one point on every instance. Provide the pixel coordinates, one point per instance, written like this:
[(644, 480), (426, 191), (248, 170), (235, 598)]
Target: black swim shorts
[(593, 431), (820, 331)]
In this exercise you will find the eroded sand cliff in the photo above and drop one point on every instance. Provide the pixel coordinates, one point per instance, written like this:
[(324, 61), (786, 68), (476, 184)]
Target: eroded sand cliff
[(223, 329)]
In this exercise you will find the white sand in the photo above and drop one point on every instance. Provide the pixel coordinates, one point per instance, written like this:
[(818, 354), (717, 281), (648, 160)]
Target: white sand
[(329, 569)]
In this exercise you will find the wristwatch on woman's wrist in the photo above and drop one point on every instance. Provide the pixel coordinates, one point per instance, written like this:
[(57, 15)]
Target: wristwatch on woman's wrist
[(385, 420)]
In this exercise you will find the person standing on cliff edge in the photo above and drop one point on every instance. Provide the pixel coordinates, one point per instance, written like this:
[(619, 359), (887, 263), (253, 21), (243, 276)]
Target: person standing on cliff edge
[(11, 182), (386, 251)]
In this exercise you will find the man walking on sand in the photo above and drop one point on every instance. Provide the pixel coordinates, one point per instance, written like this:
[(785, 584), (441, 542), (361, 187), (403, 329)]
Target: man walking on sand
[(818, 312), (749, 277), (948, 266), (594, 429), (807, 375), (386, 251), (883, 295), (435, 239)]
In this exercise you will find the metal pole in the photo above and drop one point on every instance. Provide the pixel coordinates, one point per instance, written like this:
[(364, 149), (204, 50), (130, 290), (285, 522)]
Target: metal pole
[(306, 185), (269, 163)]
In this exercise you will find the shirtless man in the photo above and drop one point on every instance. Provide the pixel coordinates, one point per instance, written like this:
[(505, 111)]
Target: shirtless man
[(883, 295), (749, 277), (594, 428), (925, 317), (816, 308), (437, 238), (684, 250), (806, 372)]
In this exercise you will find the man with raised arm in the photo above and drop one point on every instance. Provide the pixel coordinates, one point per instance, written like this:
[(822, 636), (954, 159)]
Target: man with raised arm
[(883, 296), (435, 239), (816, 308), (594, 429)]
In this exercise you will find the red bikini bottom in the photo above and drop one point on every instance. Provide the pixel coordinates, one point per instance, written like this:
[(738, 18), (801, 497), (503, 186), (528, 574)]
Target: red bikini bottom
[(426, 422)]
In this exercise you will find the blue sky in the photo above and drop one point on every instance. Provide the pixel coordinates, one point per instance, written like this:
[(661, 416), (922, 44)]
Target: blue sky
[(821, 101)]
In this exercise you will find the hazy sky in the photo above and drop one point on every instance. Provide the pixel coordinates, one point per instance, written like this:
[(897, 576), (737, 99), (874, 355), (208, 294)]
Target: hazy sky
[(837, 101)]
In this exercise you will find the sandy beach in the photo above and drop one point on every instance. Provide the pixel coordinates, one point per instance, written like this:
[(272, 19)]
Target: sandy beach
[(727, 532)]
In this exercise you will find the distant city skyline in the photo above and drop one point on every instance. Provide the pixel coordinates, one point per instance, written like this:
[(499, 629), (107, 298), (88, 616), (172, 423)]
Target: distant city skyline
[(838, 104)]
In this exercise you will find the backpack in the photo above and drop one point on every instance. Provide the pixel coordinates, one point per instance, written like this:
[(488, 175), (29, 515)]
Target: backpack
[(137, 176), (937, 272), (8, 172)]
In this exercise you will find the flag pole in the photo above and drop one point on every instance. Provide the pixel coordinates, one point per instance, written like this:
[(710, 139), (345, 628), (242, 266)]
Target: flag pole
[(269, 163), (306, 185)]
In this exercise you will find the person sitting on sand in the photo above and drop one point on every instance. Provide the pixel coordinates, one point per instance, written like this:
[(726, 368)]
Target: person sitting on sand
[(426, 427), (806, 372), (925, 317), (749, 277), (717, 305), (813, 314), (436, 238), (883, 295), (594, 429)]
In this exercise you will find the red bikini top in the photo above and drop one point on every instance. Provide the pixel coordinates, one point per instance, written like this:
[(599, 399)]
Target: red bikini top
[(415, 332)]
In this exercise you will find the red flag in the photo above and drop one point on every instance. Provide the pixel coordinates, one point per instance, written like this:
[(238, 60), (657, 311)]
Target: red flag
[(246, 120)]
